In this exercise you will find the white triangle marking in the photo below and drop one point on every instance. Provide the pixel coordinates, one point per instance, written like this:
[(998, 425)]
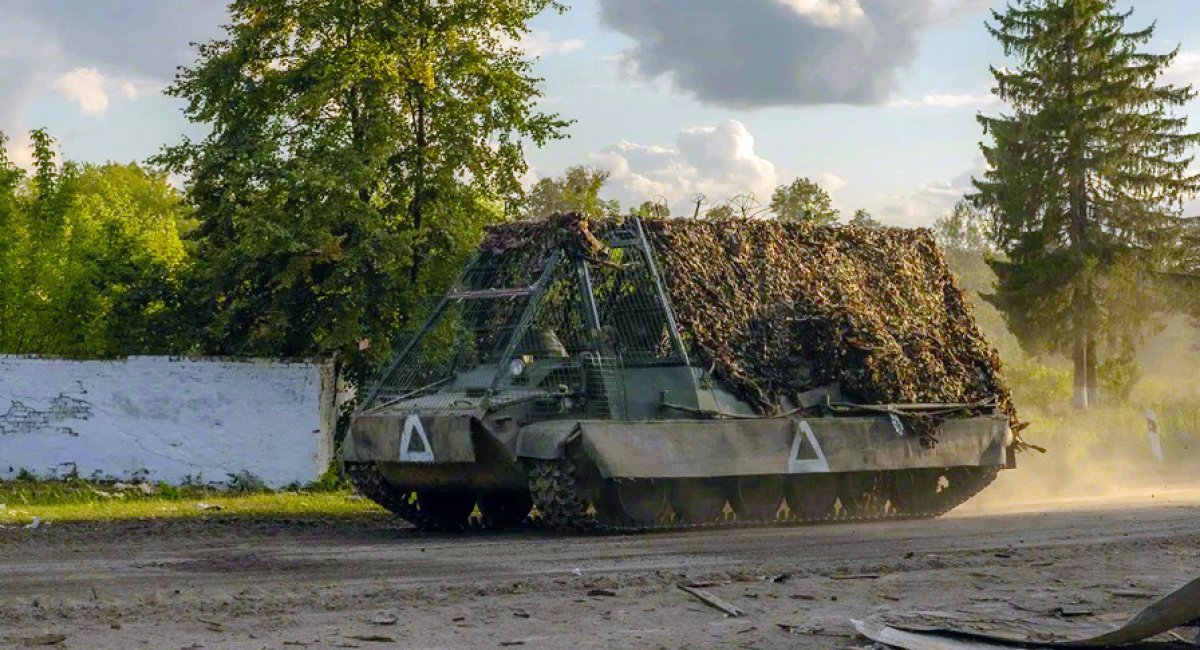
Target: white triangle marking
[(807, 465), (425, 455)]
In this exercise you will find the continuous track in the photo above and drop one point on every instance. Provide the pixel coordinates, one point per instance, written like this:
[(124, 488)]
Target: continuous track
[(564, 503)]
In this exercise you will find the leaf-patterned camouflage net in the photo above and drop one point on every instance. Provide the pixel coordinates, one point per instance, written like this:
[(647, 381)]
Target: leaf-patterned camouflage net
[(780, 308)]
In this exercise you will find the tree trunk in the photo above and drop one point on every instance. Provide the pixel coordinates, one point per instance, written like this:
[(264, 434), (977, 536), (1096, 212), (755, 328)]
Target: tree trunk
[(1093, 377), (1080, 358)]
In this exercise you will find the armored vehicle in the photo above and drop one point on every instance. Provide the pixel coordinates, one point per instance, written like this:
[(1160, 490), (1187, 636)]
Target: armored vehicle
[(640, 374)]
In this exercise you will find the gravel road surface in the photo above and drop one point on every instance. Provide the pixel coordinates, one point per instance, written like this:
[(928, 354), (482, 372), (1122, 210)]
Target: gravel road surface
[(377, 584)]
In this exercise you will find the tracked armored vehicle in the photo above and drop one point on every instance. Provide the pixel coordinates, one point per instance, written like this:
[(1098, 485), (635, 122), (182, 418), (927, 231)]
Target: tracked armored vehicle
[(630, 375)]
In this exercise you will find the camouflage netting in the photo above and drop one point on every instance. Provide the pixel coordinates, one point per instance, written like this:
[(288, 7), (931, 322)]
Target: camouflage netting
[(778, 309)]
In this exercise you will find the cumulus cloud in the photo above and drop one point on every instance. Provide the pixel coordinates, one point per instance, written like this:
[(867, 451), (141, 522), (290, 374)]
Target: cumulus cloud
[(136, 38), (948, 100), (84, 86), (718, 161), (542, 43), (831, 182), (754, 53), (47, 43), (931, 200), (1185, 69)]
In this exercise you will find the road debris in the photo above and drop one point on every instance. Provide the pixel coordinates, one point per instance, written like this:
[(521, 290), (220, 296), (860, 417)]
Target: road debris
[(33, 525), (608, 593), (777, 578), (385, 618), (371, 638), (1072, 611), (43, 640), (1177, 609), (713, 601), (207, 507), (797, 628), (213, 626)]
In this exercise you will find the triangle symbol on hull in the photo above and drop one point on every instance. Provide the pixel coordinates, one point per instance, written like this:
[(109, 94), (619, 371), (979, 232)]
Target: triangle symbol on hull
[(414, 444), (807, 455)]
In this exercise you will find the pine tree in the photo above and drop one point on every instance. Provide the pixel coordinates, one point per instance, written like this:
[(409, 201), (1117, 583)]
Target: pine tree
[(1087, 175)]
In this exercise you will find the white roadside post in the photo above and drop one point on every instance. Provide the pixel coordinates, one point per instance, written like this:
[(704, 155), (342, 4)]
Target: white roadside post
[(1152, 429)]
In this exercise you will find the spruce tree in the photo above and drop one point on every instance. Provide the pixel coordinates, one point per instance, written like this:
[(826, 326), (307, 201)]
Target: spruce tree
[(1087, 173)]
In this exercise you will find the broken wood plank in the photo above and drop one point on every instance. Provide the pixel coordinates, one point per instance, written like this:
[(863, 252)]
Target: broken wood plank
[(713, 601)]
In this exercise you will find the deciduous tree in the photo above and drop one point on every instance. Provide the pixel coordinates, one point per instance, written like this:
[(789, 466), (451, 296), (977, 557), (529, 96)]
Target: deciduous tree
[(576, 190), (355, 151), (91, 258), (803, 200)]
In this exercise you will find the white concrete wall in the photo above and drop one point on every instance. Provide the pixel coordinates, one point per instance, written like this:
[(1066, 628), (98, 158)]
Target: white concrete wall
[(167, 418)]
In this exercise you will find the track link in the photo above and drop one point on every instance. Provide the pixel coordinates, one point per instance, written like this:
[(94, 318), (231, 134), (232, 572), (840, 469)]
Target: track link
[(403, 503), (563, 507)]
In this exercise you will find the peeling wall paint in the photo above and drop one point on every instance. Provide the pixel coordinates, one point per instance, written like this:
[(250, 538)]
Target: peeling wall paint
[(167, 419)]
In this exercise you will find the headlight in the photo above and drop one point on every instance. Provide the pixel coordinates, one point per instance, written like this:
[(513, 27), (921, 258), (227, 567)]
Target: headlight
[(516, 367)]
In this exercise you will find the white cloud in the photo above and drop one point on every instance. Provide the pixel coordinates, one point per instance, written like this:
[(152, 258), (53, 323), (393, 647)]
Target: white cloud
[(831, 182), (947, 100), (931, 200), (1185, 69), (20, 151), (717, 161), (84, 86), (542, 43), (827, 13), (129, 90), (757, 53)]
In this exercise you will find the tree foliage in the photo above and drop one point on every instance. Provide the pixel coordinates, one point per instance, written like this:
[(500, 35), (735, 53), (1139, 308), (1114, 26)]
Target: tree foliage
[(1086, 178), (863, 219), (964, 228), (91, 258), (576, 190), (356, 149), (803, 200)]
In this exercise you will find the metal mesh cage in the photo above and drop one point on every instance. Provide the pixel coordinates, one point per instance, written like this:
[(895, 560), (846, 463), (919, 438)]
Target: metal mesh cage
[(532, 316)]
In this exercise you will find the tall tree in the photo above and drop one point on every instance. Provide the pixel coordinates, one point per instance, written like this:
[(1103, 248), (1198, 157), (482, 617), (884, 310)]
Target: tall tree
[(576, 190), (11, 237), (1086, 178), (91, 257), (803, 200), (356, 149)]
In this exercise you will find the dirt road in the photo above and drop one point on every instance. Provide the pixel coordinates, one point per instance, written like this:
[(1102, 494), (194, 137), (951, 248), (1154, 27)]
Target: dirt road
[(321, 584)]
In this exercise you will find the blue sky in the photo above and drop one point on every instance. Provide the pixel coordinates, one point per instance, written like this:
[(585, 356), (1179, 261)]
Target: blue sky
[(876, 99)]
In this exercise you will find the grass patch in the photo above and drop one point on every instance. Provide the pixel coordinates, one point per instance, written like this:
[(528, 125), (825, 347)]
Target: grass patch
[(74, 500)]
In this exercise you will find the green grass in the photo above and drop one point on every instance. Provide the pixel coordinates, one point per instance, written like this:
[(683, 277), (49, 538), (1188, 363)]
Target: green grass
[(74, 500)]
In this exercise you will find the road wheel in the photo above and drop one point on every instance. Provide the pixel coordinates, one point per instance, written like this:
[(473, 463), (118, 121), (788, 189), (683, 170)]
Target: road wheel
[(758, 497), (915, 491), (640, 502), (811, 497), (862, 495), (699, 500)]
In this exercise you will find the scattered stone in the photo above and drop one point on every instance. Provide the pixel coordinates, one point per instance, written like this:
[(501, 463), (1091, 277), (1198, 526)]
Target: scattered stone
[(602, 593), (385, 618)]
